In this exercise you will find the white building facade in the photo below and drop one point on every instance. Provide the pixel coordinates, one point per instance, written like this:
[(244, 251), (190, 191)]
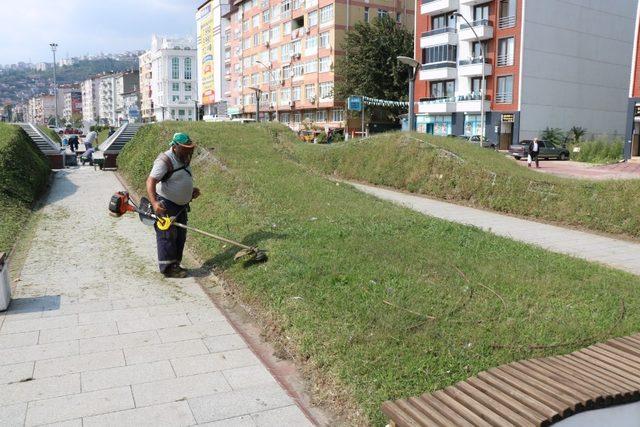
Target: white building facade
[(107, 100), (90, 101), (168, 80)]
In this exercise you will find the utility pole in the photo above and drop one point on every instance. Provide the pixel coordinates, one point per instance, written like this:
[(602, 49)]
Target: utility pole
[(54, 46), (258, 95), (414, 70)]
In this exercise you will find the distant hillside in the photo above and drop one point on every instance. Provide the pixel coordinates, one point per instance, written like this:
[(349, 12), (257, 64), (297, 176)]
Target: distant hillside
[(22, 84)]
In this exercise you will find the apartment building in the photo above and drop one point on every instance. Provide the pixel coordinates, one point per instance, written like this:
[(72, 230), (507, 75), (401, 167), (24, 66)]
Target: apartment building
[(107, 99), (41, 108), (90, 89), (211, 28), (285, 50), (633, 110), (168, 79), (127, 82), (72, 104), (548, 63)]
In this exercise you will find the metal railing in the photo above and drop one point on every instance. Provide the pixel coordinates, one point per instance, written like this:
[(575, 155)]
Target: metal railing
[(471, 61), (441, 64), (507, 22), (439, 31), (504, 98), (505, 60), (473, 96), (478, 23)]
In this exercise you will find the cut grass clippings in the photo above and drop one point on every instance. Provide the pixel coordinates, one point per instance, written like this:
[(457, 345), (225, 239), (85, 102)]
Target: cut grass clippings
[(375, 301), (24, 172), (456, 171)]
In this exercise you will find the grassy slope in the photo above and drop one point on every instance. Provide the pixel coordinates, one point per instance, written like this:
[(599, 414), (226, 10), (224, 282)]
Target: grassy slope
[(336, 256), (483, 179), (23, 175)]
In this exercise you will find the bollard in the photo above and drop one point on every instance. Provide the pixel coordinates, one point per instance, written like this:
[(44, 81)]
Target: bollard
[(5, 283)]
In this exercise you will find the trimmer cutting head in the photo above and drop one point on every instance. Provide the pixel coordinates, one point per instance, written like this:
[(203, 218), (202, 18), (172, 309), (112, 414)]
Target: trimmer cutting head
[(251, 254)]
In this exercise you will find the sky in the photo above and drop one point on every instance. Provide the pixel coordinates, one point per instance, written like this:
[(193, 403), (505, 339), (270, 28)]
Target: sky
[(88, 26)]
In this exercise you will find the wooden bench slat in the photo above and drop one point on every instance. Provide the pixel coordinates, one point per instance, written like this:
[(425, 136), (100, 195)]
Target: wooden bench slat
[(457, 392), (604, 368), (401, 418), (424, 405), (449, 413), (460, 409), (626, 346), (612, 364), (626, 357), (622, 363), (422, 418), (604, 376)]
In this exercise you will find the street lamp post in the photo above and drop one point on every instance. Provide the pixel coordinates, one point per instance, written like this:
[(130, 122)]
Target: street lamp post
[(196, 112), (258, 94), (54, 46), (412, 78), (269, 70), (482, 82)]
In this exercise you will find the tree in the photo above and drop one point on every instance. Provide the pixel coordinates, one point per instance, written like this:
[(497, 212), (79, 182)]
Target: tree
[(553, 135), (369, 66), (576, 133)]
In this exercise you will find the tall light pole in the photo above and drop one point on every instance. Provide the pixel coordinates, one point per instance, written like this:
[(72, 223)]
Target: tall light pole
[(54, 46), (269, 70), (482, 82), (412, 78), (258, 94)]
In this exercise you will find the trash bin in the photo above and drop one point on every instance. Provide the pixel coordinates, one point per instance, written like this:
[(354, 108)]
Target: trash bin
[(5, 283)]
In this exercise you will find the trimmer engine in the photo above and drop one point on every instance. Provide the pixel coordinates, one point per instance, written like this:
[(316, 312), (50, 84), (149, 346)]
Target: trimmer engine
[(120, 204)]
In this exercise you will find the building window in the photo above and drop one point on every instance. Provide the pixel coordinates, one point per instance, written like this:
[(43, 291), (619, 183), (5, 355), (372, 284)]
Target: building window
[(506, 49), (326, 14), (175, 98), (442, 53), (175, 68), (287, 28), (504, 94), (381, 13), (255, 21), (312, 19), (324, 40), (187, 68), (476, 49), (476, 83), (254, 79), (311, 43), (175, 87), (443, 89), (256, 39), (273, 54), (310, 92), (311, 3), (481, 12), (366, 14), (311, 67), (447, 20), (298, 70), (274, 34), (326, 90), (285, 6), (296, 94), (296, 117), (187, 98), (285, 96), (337, 115), (507, 14), (284, 117), (265, 16), (324, 64), (245, 25), (181, 112), (321, 116), (187, 87), (265, 36)]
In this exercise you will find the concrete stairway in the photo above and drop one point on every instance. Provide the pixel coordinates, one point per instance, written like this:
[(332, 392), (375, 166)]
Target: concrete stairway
[(44, 143), (116, 142)]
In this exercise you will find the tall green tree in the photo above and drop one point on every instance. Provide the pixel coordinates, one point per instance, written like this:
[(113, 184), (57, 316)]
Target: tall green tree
[(369, 66)]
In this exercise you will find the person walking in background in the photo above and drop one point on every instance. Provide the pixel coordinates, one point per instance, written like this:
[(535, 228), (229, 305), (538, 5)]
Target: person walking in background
[(90, 139), (534, 151)]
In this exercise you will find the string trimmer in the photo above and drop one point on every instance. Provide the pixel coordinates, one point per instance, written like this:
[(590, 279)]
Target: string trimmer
[(121, 203)]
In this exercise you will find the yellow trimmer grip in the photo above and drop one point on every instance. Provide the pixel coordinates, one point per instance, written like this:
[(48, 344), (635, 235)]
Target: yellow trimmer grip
[(163, 223)]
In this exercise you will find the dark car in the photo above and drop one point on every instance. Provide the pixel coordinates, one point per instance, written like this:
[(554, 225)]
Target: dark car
[(548, 150)]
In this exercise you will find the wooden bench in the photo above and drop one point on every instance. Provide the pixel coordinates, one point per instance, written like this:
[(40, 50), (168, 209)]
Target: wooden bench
[(535, 392)]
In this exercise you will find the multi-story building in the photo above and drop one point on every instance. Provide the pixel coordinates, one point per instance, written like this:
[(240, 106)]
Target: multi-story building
[(548, 63), (72, 105), (633, 110), (168, 78), (90, 100), (130, 107), (211, 30), (286, 49), (107, 100), (126, 83), (41, 108)]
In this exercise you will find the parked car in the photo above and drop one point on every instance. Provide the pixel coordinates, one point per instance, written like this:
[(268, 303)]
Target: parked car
[(548, 150)]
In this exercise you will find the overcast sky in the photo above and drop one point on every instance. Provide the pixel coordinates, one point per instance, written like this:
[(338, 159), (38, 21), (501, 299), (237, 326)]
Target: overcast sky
[(88, 26)]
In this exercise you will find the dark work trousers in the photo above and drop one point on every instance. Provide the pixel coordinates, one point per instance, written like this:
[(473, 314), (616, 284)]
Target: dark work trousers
[(171, 242)]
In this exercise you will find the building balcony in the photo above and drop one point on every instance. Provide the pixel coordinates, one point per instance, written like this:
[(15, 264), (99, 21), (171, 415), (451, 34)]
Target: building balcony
[(473, 68), (430, 7), (471, 103), (445, 70), (504, 98), (437, 105), (447, 35), (507, 21), (483, 28), (471, 2)]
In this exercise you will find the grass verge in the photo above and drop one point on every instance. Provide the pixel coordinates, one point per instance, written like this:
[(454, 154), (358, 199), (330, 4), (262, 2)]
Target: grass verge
[(23, 176), (456, 171), (52, 134), (372, 300)]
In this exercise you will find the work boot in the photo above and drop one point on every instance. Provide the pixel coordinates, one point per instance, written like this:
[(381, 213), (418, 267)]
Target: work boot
[(175, 272)]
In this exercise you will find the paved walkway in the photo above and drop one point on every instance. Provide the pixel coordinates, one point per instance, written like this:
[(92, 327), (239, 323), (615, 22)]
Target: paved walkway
[(95, 336), (581, 170), (591, 247)]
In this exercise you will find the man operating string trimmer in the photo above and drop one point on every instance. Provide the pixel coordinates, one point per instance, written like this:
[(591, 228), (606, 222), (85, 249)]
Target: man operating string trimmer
[(170, 189)]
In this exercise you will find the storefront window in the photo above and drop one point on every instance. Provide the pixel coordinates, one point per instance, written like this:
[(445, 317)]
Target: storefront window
[(472, 124)]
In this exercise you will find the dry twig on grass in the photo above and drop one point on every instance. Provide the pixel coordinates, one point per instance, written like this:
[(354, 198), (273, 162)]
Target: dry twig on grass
[(484, 286)]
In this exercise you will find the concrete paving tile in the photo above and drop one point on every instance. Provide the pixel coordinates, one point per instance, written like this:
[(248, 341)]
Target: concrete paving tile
[(179, 308), (225, 343), (126, 375), (15, 326), (208, 315), (168, 414), (221, 406), (38, 352), (165, 351), (79, 363), (149, 323), (212, 362), (78, 332), (113, 315), (39, 389), (16, 372), (248, 376), (79, 405), (13, 415), (19, 340), (201, 330), (287, 416), (69, 423), (77, 308), (114, 342), (241, 421), (179, 388)]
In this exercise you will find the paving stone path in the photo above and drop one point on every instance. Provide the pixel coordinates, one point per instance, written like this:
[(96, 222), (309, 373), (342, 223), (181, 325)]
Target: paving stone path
[(95, 336), (612, 252)]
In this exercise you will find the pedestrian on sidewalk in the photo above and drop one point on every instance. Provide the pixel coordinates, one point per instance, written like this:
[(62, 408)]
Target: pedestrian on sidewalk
[(170, 190), (90, 139), (534, 151)]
